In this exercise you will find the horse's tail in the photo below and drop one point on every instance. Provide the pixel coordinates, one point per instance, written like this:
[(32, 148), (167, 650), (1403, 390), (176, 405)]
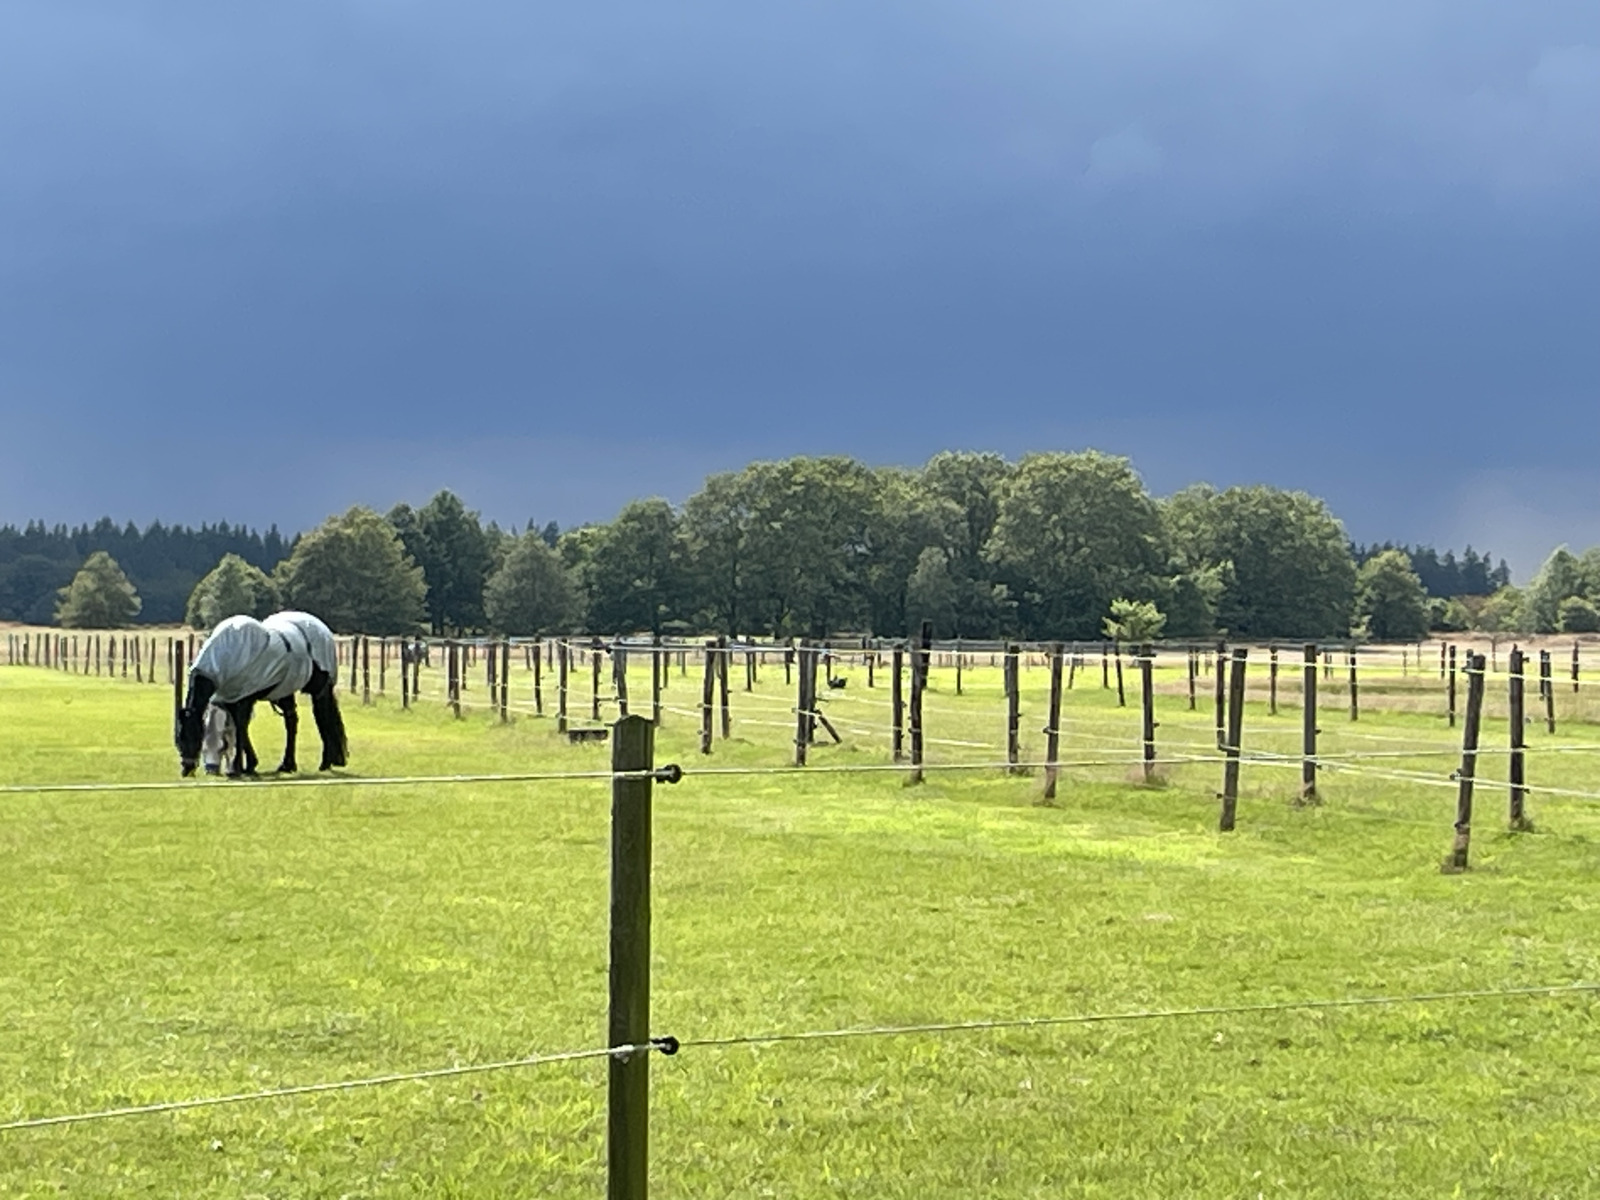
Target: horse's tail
[(325, 708)]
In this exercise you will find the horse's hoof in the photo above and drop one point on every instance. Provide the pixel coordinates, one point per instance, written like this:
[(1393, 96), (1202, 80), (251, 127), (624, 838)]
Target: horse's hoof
[(287, 768)]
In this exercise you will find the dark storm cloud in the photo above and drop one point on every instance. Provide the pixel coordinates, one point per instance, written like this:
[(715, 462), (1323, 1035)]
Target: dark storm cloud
[(1356, 229)]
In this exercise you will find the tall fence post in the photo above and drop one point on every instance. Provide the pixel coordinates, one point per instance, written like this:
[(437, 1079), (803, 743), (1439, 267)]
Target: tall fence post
[(505, 681), (708, 695), (921, 657), (178, 673), (538, 683), (453, 682), (1547, 684), (655, 680), (383, 664), (1574, 664), (619, 677), (1517, 768), (1193, 656), (1230, 766), (897, 708), (596, 650), (723, 654), (1457, 859), (1355, 695), (563, 675), (1013, 704), (405, 672), (628, 1076), (1052, 729), (366, 670), (1147, 703), (1308, 727), (1272, 682), (1450, 688), (1222, 695)]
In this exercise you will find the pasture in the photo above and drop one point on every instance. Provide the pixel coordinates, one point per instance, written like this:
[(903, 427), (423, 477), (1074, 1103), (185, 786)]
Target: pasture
[(230, 936)]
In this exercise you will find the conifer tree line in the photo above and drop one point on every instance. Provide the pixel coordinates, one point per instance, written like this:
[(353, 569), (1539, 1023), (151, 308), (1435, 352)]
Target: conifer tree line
[(1051, 546)]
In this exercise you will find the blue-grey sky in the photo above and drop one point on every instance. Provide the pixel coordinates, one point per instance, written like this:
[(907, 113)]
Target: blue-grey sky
[(260, 262)]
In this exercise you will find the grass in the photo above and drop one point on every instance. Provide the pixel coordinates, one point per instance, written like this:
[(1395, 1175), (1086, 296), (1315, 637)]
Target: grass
[(231, 936)]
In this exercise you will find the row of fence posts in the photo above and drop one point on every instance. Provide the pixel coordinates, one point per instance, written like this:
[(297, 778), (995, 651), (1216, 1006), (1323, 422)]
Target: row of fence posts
[(104, 655)]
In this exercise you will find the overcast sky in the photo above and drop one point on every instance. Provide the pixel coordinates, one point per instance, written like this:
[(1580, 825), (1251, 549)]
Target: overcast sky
[(260, 262)]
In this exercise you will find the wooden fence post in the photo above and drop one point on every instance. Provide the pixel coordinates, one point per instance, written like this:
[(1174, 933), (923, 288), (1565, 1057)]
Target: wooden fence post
[(803, 701), (1272, 682), (1013, 702), (1052, 729), (1308, 727), (366, 670), (1450, 687), (921, 656), (1355, 701), (505, 680), (538, 682), (1548, 684), (1222, 695), (404, 663), (563, 651), (1105, 667), (1574, 664), (1517, 769), (455, 672), (1193, 656), (897, 709), (723, 654), (596, 650), (1147, 700), (619, 676), (958, 663), (352, 652), (383, 664), (708, 695), (1230, 767), (1457, 860), (1122, 696), (628, 1024), (656, 673)]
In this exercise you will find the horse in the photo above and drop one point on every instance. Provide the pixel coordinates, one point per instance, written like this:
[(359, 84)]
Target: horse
[(245, 660), (219, 743)]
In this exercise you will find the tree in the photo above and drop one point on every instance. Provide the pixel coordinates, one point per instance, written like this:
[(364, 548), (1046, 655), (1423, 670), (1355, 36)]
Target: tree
[(1390, 599), (1502, 612), (1290, 572), (1578, 615), (1133, 622), (455, 554), (632, 569), (354, 573), (99, 596), (1073, 532), (232, 587), (531, 592), (1561, 576), (931, 592)]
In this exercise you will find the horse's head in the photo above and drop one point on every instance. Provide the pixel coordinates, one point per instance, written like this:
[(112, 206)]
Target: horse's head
[(189, 732), (218, 741)]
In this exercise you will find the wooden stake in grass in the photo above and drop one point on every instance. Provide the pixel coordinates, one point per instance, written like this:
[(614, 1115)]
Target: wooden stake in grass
[(1308, 727), (1547, 684), (453, 683), (1517, 770), (1013, 701), (1450, 688), (656, 674), (1122, 696), (1272, 682), (1222, 696), (1105, 667), (708, 696), (366, 670), (897, 713), (921, 657), (1457, 860), (538, 683), (596, 649), (1193, 656), (1052, 730), (505, 681), (1574, 665), (563, 671), (619, 677), (1230, 750), (628, 1023), (723, 654), (1147, 697)]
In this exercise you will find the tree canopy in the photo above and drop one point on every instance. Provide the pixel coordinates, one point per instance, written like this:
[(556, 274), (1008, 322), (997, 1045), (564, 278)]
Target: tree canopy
[(232, 587), (99, 596), (532, 591), (1390, 600), (354, 573)]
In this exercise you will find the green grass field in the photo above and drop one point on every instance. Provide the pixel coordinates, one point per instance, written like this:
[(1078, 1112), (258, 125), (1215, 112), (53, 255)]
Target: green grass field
[(230, 936)]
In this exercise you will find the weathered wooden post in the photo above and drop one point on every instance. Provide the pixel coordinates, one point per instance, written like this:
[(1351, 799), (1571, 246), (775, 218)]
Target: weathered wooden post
[(352, 652), (788, 662), (1222, 695), (723, 654), (404, 663), (1308, 726), (596, 650), (1105, 667), (563, 672), (1230, 766), (921, 657), (1122, 697), (1548, 684), (958, 665), (453, 667), (383, 664), (1574, 664), (1450, 687), (628, 1023), (1013, 705), (1355, 702), (805, 703), (1147, 700), (708, 695), (1517, 769), (1457, 859), (538, 681), (1272, 681), (619, 676), (366, 670), (1193, 664), (505, 680), (656, 673), (1052, 729), (897, 708)]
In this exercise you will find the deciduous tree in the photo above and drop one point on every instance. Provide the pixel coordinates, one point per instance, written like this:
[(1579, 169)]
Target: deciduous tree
[(99, 596), (354, 573)]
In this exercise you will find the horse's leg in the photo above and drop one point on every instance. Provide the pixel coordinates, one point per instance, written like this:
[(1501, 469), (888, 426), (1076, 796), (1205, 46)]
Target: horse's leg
[(330, 724), (291, 727), (246, 750)]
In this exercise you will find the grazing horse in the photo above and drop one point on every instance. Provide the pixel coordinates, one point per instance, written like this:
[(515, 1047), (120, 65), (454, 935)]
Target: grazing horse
[(245, 660)]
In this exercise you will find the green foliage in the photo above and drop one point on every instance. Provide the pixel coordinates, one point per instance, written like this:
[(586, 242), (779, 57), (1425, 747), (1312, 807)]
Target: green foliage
[(1578, 615), (456, 555), (99, 596), (1289, 569), (1502, 612), (1133, 622), (633, 569), (232, 587), (1454, 615), (1560, 576), (354, 573), (931, 593), (1073, 532), (1390, 601), (532, 592)]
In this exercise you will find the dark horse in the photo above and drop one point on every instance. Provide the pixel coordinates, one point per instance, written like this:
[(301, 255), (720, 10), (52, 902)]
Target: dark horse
[(245, 660)]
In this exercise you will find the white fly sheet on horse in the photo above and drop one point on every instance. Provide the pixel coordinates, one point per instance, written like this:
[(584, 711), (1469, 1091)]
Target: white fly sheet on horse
[(273, 658)]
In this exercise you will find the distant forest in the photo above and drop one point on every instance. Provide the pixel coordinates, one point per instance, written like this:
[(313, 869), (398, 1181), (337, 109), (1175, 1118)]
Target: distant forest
[(1445, 575), (163, 562)]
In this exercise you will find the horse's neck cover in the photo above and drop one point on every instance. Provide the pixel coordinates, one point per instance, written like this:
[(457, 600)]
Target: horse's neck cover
[(316, 637), (245, 658)]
